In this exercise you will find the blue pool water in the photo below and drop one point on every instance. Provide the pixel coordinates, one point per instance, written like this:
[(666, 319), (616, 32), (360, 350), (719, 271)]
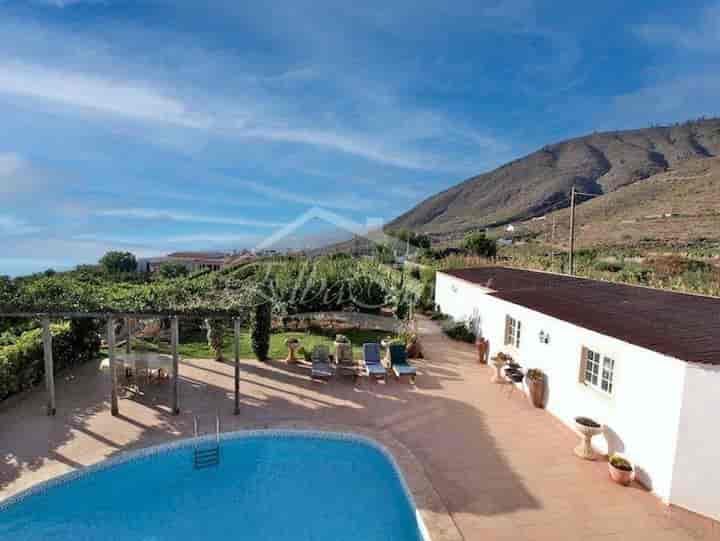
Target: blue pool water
[(267, 487)]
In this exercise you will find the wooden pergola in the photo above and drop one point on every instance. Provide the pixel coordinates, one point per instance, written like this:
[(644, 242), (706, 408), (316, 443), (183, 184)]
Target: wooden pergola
[(111, 317)]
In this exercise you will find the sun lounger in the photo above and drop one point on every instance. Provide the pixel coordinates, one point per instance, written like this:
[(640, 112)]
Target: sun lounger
[(346, 364), (321, 367), (399, 363), (373, 364)]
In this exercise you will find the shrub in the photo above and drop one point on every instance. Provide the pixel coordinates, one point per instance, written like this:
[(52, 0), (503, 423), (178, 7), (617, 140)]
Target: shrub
[(216, 336), (22, 363), (460, 331), (477, 243), (608, 266), (260, 324), (170, 270), (118, 262)]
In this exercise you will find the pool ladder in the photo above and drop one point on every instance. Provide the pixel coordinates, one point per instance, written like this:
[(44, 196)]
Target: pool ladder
[(204, 456)]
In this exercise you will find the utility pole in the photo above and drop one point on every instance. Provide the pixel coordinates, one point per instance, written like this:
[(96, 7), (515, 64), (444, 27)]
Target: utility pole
[(571, 256), (573, 194), (552, 244)]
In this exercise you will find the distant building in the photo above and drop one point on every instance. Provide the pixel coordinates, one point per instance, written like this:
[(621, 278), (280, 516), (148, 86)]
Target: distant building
[(192, 261), (510, 228)]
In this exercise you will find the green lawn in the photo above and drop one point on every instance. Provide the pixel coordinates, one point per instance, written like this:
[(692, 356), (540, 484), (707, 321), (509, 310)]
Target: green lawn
[(195, 345)]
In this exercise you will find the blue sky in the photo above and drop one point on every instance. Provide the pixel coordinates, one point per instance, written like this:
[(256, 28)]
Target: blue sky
[(152, 126)]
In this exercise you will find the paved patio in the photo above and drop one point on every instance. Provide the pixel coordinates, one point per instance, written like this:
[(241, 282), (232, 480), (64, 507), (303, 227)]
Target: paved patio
[(502, 469)]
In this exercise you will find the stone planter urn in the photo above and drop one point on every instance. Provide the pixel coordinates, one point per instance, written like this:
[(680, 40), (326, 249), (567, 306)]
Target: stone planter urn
[(621, 470), (587, 428), (498, 362), (293, 344)]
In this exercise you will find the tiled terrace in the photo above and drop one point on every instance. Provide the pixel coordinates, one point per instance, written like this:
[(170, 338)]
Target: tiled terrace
[(502, 469)]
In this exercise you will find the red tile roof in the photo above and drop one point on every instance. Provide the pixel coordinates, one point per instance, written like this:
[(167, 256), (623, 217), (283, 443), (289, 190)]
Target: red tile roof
[(680, 325)]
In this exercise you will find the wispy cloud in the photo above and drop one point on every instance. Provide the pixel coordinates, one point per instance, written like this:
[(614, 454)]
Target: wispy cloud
[(669, 100), (324, 199), (703, 36), (180, 216), (17, 176), (342, 142), (69, 3), (93, 93), (12, 226), (10, 163)]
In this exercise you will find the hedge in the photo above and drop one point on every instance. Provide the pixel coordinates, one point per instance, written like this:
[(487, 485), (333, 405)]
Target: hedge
[(22, 363)]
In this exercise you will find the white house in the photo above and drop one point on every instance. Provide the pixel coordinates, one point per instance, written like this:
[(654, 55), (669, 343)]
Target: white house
[(644, 362)]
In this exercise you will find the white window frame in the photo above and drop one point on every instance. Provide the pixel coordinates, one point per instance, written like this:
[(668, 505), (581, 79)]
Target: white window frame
[(514, 332), (599, 371)]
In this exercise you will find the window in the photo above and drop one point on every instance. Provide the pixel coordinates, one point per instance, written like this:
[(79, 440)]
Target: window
[(598, 370), (512, 331)]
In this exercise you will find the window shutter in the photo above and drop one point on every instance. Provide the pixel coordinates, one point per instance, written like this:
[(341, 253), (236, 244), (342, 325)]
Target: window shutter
[(507, 330), (583, 364)]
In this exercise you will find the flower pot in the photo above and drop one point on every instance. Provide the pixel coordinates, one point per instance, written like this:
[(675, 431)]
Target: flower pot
[(587, 429), (536, 392), (620, 476)]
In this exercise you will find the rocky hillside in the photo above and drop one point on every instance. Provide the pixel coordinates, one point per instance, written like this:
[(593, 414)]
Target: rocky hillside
[(532, 186), (676, 207)]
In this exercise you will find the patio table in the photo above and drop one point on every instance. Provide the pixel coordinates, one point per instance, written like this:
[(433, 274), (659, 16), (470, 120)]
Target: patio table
[(151, 361)]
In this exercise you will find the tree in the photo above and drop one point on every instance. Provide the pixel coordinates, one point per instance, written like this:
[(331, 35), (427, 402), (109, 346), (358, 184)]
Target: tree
[(421, 240), (171, 270), (216, 336), (118, 262), (260, 325), (477, 243)]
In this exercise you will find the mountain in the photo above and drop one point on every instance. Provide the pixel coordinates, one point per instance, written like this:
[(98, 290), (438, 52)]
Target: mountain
[(601, 163)]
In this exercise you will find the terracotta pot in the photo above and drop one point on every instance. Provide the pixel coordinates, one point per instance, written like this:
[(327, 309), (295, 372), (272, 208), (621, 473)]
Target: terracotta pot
[(536, 392), (482, 350), (621, 477)]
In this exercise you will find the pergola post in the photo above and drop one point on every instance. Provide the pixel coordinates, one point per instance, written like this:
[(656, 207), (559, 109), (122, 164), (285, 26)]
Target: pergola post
[(128, 325), (114, 408), (49, 368), (174, 338), (236, 322)]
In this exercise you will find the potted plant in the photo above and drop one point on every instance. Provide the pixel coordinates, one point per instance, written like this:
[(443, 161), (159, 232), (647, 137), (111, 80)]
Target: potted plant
[(305, 354), (587, 428), (414, 349), (293, 344), (535, 379), (621, 470)]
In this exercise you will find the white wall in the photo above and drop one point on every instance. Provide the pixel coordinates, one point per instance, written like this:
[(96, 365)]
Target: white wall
[(642, 415), (696, 479)]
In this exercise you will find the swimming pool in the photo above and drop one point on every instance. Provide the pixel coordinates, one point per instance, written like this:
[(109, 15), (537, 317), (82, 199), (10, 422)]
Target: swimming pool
[(279, 486)]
